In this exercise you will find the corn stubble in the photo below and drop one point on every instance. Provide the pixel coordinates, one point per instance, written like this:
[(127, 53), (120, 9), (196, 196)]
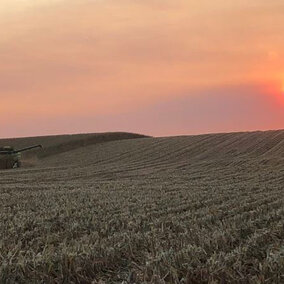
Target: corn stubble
[(199, 209)]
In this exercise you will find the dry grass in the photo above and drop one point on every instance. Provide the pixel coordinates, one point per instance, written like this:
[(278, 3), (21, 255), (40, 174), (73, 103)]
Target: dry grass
[(196, 209)]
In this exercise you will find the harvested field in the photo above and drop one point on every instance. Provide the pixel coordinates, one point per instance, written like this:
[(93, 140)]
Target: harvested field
[(188, 209)]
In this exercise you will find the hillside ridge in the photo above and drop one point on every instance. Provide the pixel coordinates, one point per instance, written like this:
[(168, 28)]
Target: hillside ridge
[(127, 148), (55, 144)]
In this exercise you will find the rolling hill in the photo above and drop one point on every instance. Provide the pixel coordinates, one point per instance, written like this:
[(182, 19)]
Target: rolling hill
[(107, 208)]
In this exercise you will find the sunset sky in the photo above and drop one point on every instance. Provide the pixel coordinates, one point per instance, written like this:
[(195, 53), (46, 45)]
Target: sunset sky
[(158, 67)]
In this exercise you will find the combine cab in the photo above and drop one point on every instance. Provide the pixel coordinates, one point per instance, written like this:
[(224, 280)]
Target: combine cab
[(11, 158)]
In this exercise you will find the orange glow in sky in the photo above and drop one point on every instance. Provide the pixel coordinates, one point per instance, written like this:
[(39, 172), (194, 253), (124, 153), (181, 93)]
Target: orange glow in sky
[(282, 87), (160, 67)]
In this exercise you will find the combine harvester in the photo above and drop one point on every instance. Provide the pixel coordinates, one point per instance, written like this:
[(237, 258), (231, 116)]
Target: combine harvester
[(11, 158)]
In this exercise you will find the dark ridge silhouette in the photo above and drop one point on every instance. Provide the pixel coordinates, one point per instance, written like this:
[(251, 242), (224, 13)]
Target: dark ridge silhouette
[(63, 143)]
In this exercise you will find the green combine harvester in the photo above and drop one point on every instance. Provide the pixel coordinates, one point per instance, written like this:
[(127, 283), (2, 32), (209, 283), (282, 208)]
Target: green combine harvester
[(11, 158)]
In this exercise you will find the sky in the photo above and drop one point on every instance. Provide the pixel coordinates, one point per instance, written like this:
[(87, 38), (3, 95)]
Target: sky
[(157, 67)]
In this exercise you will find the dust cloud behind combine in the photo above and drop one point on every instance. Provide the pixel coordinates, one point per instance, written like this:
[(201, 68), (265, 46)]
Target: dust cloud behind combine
[(120, 206)]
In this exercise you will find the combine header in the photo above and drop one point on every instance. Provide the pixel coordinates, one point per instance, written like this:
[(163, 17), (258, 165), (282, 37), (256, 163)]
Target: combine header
[(11, 158)]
